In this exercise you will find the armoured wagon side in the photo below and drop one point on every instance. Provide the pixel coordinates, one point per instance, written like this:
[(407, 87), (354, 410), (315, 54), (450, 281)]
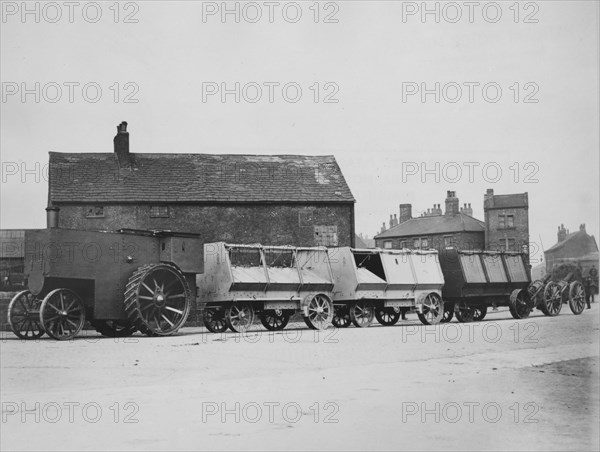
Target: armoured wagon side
[(478, 279), (120, 281), (240, 282), (381, 283)]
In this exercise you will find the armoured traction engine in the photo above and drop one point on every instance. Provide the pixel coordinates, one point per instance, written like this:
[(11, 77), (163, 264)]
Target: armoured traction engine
[(240, 282), (119, 281), (476, 280), (381, 283)]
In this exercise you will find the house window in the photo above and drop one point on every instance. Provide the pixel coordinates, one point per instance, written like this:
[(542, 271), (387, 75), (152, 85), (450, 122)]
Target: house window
[(95, 212), (326, 236), (510, 244), (448, 241), (159, 212), (510, 221), (387, 244), (416, 243), (424, 243), (403, 244), (501, 222)]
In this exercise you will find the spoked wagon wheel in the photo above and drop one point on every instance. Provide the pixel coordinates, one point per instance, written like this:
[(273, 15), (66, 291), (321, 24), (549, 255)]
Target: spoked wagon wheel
[(479, 314), (275, 319), (318, 311), (387, 316), (552, 303), (519, 305), (433, 309), (448, 312), (361, 314), (576, 297), (341, 317), (62, 314), (157, 299), (464, 313), (214, 320), (114, 328), (239, 317), (24, 316)]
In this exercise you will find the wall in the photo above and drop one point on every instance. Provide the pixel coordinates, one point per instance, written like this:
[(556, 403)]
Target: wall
[(496, 237), (275, 224)]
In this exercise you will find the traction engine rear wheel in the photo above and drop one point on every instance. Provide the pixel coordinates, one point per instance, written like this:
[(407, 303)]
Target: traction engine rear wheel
[(576, 297), (62, 314), (239, 317), (275, 319), (318, 311), (214, 320), (24, 316), (361, 314), (387, 316), (433, 309), (157, 299), (114, 328), (341, 317), (552, 303)]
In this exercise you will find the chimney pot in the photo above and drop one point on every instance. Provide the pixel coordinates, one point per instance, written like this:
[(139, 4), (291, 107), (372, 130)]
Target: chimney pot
[(52, 217)]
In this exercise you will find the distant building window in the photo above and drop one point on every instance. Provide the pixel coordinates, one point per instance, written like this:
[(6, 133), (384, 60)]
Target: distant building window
[(326, 236), (448, 241), (403, 244), (424, 243), (510, 244), (159, 212), (387, 244), (95, 212), (501, 222), (510, 221), (416, 243)]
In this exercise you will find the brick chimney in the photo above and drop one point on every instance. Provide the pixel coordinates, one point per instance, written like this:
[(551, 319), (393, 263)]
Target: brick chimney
[(582, 227), (405, 212), (451, 203), (121, 142), (467, 209), (562, 233)]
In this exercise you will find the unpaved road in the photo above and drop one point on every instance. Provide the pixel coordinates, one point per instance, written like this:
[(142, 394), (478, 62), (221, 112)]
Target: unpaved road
[(499, 384)]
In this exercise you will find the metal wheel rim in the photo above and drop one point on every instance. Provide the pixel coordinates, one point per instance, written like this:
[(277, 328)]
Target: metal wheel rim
[(274, 319), (62, 314), (387, 316), (553, 299), (521, 306), (214, 320), (240, 317), (162, 300), (361, 314), (320, 312), (341, 318), (465, 313), (23, 316), (431, 308), (577, 298)]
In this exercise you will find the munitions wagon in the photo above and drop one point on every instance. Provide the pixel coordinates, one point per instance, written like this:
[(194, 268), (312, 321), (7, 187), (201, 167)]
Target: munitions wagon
[(551, 294), (382, 283), (240, 282), (120, 281), (474, 280)]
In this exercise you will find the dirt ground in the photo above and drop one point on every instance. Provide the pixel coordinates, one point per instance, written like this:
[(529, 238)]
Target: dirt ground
[(499, 384)]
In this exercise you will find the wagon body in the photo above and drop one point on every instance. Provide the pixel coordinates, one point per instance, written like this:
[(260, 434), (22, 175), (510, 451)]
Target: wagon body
[(107, 276), (384, 279), (482, 276), (270, 281)]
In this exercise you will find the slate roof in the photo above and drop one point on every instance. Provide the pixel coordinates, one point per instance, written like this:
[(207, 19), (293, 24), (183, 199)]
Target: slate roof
[(571, 236), (438, 224), (96, 177)]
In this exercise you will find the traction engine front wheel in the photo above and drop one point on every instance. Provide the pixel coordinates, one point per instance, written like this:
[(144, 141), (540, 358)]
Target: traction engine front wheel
[(62, 314)]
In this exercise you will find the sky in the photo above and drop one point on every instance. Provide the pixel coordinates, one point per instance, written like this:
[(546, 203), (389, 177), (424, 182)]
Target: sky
[(413, 99)]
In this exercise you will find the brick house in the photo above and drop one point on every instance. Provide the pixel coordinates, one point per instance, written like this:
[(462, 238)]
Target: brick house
[(576, 246), (506, 221), (272, 199), (454, 228), (12, 257)]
